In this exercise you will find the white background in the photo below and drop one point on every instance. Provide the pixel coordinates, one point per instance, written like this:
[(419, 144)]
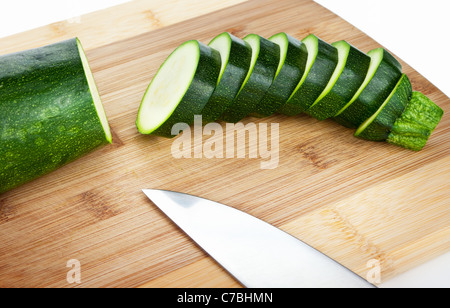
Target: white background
[(414, 30), (20, 15), (417, 31)]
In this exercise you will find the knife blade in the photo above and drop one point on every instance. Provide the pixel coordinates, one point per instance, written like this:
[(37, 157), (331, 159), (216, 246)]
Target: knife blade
[(256, 253)]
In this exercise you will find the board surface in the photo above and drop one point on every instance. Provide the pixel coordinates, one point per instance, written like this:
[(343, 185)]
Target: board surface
[(352, 199)]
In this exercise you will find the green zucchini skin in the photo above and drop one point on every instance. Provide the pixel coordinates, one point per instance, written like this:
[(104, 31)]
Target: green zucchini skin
[(198, 94), (47, 113), (348, 83), (315, 82), (368, 92), (287, 79), (414, 127), (381, 125), (232, 78), (374, 94), (259, 81)]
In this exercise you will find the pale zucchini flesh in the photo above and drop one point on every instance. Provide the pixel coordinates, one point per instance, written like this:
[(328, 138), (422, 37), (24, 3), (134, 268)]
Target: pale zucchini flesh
[(168, 87), (222, 43), (94, 92), (281, 40)]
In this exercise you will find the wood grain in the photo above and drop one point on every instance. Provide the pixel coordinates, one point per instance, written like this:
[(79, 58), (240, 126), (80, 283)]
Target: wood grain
[(115, 23), (354, 200)]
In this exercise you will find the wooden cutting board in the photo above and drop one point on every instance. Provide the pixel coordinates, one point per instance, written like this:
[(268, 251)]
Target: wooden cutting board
[(352, 199)]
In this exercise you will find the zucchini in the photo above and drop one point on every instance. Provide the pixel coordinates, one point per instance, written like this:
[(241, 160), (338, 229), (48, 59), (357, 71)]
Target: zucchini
[(384, 73), (379, 125), (263, 67), (235, 55), (321, 63), (293, 56), (180, 89), (413, 128), (255, 76), (50, 111), (348, 76)]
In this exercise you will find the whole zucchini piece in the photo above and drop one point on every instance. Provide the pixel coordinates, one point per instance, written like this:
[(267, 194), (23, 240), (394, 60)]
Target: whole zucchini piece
[(50, 111)]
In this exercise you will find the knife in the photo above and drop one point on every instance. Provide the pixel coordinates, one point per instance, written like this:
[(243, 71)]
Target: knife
[(256, 253)]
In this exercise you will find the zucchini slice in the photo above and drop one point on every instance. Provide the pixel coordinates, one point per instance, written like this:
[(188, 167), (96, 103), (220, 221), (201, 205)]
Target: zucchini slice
[(348, 76), (50, 111), (413, 128), (293, 57), (263, 67), (236, 55), (321, 63), (379, 125), (383, 74), (180, 89)]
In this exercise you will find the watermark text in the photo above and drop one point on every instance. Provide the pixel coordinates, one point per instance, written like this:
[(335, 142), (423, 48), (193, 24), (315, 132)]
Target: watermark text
[(238, 141)]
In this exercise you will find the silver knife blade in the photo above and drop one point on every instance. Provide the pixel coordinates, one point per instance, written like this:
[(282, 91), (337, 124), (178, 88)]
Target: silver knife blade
[(256, 253)]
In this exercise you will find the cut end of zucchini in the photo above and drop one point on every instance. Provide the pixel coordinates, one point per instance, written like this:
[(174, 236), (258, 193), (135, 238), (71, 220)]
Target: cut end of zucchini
[(312, 45), (281, 40), (413, 128), (94, 92), (222, 43), (168, 87), (254, 41)]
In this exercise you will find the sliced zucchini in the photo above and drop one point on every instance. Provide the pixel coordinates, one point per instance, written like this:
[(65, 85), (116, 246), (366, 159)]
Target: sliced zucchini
[(321, 63), (232, 78), (263, 67), (180, 89), (50, 111), (383, 74), (236, 55), (413, 128), (379, 125), (293, 57), (348, 76)]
